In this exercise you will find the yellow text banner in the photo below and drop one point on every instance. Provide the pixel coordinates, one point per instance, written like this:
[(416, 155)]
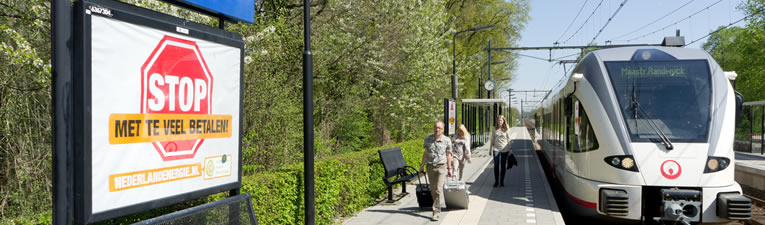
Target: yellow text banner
[(140, 128)]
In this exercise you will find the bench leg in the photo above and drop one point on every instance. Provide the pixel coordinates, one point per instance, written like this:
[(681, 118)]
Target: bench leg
[(390, 193), (403, 187)]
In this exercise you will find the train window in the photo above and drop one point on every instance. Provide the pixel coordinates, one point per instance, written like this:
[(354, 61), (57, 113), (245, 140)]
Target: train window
[(673, 96), (581, 137)]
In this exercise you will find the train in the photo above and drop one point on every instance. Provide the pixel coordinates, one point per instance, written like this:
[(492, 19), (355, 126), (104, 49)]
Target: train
[(644, 134)]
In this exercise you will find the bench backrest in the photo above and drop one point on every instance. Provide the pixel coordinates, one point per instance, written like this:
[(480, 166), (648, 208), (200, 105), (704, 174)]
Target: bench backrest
[(392, 160), (232, 210)]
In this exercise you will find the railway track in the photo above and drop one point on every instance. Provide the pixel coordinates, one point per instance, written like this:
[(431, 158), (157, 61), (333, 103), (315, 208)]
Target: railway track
[(758, 212)]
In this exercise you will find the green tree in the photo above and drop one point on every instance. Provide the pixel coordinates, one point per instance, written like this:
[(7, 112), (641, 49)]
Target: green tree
[(740, 49), (25, 130)]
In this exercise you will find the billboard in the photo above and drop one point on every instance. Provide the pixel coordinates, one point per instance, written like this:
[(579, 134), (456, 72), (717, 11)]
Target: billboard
[(159, 105)]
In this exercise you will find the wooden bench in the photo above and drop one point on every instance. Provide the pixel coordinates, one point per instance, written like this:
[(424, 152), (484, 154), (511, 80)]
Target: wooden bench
[(396, 170)]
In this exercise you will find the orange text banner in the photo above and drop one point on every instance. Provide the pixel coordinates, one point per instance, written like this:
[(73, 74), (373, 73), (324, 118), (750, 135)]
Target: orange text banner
[(140, 128)]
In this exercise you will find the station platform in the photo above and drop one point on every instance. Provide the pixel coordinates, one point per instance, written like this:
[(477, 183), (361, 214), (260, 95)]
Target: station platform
[(750, 173), (525, 199)]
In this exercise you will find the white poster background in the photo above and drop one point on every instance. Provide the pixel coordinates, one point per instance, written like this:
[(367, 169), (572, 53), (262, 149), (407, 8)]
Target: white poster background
[(119, 49)]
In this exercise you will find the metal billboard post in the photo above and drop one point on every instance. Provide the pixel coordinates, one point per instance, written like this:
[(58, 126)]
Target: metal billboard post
[(310, 211), (61, 26)]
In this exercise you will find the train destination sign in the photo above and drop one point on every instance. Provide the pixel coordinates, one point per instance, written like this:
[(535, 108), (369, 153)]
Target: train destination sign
[(164, 101), (654, 71)]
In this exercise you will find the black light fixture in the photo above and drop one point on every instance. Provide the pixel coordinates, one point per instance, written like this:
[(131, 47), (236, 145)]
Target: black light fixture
[(454, 56)]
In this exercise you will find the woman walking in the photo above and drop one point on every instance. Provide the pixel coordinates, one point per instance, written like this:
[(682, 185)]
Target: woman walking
[(500, 145), (460, 152)]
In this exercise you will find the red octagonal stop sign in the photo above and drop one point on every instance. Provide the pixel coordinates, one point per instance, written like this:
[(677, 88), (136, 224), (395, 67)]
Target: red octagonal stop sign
[(175, 80)]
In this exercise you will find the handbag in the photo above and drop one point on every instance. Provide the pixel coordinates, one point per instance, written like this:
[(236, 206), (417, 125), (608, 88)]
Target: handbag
[(511, 161)]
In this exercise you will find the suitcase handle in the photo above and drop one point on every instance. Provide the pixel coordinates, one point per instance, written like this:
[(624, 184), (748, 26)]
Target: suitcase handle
[(419, 180)]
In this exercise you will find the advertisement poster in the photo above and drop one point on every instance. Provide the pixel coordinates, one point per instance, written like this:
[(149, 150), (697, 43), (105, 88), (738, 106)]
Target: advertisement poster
[(452, 117), (164, 113)]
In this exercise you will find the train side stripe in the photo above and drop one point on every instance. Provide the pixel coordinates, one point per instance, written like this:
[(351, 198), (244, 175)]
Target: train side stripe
[(584, 203)]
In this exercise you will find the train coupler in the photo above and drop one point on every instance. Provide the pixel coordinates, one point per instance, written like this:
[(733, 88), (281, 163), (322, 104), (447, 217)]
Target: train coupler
[(683, 206)]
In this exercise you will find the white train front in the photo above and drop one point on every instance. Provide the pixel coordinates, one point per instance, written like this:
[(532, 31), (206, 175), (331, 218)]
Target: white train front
[(645, 134)]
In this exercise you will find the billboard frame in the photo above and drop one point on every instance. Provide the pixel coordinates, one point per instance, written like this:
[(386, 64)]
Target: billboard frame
[(81, 101)]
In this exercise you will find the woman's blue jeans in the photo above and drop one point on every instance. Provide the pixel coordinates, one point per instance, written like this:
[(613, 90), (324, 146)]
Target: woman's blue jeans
[(500, 166)]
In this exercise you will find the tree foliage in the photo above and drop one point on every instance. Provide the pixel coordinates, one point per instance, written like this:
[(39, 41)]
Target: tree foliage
[(381, 70), (741, 49), (25, 122)]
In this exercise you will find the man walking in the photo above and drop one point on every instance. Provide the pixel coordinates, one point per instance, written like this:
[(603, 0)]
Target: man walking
[(438, 156)]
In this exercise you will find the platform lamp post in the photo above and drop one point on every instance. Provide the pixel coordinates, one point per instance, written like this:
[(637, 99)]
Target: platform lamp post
[(454, 56)]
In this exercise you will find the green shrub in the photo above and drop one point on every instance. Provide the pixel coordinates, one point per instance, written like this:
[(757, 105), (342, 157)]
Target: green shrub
[(344, 184)]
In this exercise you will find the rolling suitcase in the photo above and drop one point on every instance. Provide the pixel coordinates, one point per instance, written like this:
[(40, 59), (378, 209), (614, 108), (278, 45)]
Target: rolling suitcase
[(424, 199), (455, 194)]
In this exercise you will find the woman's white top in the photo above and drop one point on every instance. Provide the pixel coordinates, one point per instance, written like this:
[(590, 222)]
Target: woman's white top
[(500, 140)]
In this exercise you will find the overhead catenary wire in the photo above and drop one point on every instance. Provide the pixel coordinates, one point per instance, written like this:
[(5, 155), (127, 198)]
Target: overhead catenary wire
[(585, 22), (572, 21), (566, 56), (548, 59), (565, 74), (547, 75), (534, 57), (663, 28), (608, 21), (657, 20), (726, 26)]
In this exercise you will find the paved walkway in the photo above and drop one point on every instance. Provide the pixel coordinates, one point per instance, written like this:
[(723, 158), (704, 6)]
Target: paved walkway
[(525, 199)]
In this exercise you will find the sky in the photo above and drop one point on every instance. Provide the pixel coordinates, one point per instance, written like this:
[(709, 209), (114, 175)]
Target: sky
[(637, 22)]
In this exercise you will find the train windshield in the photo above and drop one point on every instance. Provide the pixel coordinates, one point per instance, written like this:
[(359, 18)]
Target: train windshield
[(670, 98)]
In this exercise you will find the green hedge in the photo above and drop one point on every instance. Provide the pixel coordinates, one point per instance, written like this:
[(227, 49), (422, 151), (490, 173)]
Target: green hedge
[(344, 184)]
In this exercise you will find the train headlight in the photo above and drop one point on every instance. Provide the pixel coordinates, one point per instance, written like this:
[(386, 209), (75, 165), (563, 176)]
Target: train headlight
[(628, 163), (625, 162), (715, 164)]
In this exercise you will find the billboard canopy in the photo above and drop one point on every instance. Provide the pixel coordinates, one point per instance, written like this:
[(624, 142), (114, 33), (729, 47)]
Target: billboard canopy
[(243, 10)]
